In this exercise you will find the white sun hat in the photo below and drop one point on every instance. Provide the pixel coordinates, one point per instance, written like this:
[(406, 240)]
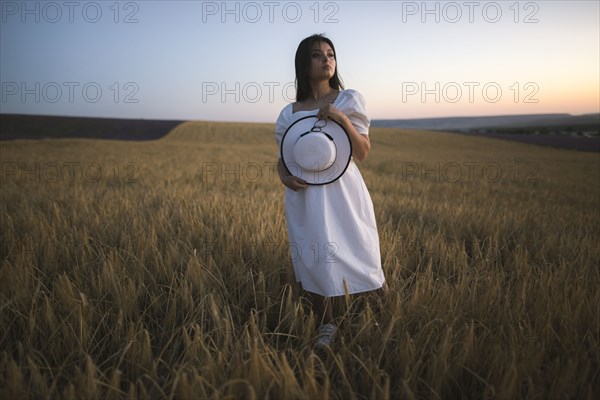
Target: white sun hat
[(316, 150)]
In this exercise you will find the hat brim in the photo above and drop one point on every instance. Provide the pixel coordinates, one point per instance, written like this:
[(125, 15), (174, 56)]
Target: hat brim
[(342, 143)]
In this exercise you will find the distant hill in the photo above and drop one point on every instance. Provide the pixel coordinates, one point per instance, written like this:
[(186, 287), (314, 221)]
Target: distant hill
[(575, 132), (19, 126), (585, 122)]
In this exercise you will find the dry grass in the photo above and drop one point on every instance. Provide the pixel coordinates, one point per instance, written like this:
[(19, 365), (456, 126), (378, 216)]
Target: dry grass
[(155, 270)]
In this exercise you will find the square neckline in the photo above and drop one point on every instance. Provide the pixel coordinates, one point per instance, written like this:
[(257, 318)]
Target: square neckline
[(315, 109)]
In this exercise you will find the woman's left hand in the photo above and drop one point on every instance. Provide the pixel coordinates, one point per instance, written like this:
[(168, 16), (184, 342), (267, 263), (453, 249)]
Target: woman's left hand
[(331, 112), (360, 143)]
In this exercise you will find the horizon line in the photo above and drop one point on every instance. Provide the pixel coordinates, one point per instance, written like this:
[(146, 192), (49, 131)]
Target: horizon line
[(267, 122)]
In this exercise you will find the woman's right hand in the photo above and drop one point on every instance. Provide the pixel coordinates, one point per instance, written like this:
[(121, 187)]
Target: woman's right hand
[(294, 183), (289, 180)]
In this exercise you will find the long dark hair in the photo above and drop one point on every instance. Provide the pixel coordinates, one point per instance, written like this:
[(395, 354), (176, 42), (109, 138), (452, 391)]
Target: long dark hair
[(303, 63)]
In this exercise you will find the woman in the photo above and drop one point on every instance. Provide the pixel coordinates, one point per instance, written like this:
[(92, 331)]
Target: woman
[(332, 229)]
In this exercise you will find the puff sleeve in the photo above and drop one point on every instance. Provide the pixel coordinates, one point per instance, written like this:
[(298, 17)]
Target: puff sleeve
[(355, 108), (281, 124)]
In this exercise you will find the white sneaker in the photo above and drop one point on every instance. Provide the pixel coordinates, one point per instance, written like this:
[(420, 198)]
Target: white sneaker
[(326, 333)]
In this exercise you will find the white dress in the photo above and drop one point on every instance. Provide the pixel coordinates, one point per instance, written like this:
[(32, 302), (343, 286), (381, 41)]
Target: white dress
[(331, 228)]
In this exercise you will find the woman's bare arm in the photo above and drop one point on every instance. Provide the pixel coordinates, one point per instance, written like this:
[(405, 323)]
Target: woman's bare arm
[(361, 144)]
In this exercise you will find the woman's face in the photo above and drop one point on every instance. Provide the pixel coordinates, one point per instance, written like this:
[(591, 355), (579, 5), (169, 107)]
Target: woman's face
[(322, 65)]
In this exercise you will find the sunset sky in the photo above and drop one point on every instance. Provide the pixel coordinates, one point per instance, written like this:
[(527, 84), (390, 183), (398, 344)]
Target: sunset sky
[(232, 61)]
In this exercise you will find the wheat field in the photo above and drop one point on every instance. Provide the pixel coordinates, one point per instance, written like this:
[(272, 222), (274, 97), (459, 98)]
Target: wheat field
[(162, 270)]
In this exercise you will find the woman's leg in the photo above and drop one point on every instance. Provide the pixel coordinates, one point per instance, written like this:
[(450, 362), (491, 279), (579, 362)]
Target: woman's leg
[(321, 307)]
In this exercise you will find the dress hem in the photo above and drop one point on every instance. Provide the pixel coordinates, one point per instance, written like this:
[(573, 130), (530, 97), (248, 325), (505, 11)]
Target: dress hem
[(344, 293)]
